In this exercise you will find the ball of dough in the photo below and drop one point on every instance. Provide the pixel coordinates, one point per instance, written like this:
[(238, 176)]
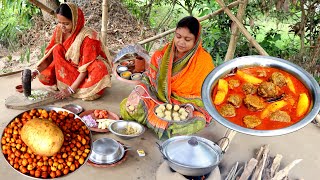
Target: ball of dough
[(160, 114), (167, 117), (181, 110), (176, 107), (169, 106), (167, 113), (162, 107), (176, 118)]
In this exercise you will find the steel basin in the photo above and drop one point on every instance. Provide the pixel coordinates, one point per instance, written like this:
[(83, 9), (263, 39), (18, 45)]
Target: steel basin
[(249, 61), (57, 109)]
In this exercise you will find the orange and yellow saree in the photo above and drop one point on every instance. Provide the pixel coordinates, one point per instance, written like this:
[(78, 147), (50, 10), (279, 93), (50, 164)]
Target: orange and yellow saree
[(177, 82), (81, 52)]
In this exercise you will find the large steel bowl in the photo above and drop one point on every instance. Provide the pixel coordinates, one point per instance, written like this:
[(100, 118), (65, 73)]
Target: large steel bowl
[(57, 109), (249, 61)]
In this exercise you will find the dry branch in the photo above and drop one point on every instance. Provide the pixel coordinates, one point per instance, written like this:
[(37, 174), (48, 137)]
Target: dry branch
[(285, 171), (275, 165), (43, 7), (248, 169), (231, 5), (257, 174)]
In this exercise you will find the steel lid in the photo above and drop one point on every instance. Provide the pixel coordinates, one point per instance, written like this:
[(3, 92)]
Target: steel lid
[(192, 151)]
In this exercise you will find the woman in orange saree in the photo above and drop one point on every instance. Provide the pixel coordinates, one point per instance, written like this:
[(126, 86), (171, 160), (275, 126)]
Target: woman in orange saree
[(175, 76), (74, 60)]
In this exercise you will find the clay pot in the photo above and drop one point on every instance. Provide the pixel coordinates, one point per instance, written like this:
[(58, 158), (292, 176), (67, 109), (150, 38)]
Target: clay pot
[(139, 65), (19, 88)]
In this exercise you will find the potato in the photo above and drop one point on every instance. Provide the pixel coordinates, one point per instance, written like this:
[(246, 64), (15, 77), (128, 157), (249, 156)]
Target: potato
[(303, 104), (44, 137), (222, 91), (248, 78), (272, 108), (290, 85)]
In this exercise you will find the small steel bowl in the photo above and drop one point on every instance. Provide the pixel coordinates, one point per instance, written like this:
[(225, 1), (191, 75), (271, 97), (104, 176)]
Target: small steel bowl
[(106, 151), (119, 128), (73, 108), (126, 75), (136, 76), (121, 69)]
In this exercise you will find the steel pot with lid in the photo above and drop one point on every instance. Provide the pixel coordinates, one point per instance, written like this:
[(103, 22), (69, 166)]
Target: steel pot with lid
[(191, 155)]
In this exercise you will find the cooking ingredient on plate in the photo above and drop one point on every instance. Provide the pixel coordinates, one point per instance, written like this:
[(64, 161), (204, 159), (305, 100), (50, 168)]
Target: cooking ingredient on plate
[(42, 136), (171, 112), (90, 122), (38, 94), (104, 123), (101, 114)]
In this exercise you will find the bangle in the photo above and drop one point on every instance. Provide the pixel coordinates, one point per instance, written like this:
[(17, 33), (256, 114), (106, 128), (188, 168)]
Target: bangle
[(37, 71), (71, 91)]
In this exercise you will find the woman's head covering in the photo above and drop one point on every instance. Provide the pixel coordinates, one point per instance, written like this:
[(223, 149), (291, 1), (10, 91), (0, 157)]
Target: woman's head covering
[(77, 18)]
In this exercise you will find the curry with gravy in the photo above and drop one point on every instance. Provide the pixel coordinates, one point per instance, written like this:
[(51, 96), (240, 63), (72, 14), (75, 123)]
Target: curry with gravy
[(261, 98)]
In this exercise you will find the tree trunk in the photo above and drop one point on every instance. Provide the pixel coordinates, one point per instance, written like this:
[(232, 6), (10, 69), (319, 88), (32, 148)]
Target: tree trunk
[(302, 26), (52, 4)]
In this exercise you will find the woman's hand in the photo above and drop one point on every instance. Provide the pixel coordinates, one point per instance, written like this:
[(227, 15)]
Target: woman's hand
[(34, 74), (132, 102), (134, 99), (64, 93)]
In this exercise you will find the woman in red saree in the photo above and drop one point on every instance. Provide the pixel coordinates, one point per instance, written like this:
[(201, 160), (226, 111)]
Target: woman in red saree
[(175, 76), (74, 60)]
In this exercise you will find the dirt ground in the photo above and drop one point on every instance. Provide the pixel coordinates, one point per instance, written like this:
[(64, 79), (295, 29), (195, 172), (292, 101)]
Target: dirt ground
[(301, 144)]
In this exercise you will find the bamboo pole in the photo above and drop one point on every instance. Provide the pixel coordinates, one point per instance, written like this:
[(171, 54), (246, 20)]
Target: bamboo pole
[(235, 31), (104, 27), (242, 29), (104, 23), (231, 5), (43, 7)]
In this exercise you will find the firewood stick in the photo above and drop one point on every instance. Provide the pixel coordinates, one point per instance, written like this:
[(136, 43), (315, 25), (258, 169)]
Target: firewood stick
[(224, 143), (285, 171), (275, 165), (248, 169), (259, 153), (258, 172), (232, 172), (317, 118)]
